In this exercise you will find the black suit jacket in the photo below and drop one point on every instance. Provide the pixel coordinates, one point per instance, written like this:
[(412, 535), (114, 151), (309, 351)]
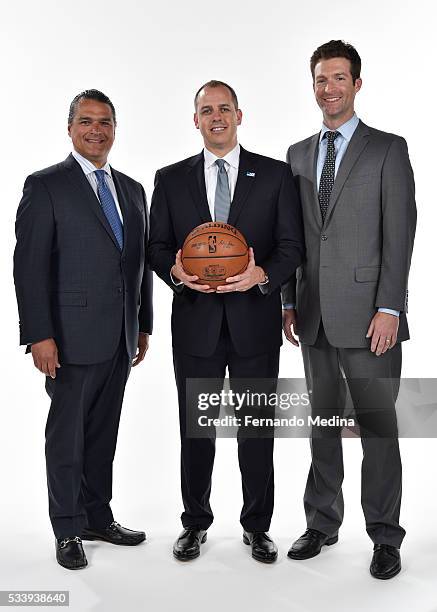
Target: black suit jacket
[(72, 281), (266, 209)]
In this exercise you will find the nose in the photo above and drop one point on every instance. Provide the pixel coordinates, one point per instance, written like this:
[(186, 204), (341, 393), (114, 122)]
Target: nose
[(330, 87), (95, 127), (216, 115)]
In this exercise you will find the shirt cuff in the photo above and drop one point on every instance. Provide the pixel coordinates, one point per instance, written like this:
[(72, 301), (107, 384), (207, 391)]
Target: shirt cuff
[(264, 287), (288, 306), (175, 282), (389, 311)]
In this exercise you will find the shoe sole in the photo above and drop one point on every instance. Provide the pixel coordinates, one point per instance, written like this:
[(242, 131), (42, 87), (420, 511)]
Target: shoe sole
[(386, 577), (190, 557), (92, 538), (255, 556), (298, 557)]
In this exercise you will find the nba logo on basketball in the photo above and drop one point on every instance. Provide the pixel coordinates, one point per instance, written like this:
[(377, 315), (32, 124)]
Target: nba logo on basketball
[(212, 244)]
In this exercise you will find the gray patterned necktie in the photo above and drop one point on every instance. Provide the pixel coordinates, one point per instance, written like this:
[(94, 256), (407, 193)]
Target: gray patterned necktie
[(222, 201), (328, 174)]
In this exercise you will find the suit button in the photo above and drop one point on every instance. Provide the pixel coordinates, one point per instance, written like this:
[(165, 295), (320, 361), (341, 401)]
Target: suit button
[(119, 289), (324, 237)]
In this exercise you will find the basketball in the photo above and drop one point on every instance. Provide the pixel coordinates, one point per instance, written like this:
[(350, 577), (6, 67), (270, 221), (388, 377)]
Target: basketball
[(214, 251)]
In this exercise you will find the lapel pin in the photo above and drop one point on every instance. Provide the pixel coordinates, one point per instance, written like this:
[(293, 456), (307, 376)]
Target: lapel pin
[(250, 173)]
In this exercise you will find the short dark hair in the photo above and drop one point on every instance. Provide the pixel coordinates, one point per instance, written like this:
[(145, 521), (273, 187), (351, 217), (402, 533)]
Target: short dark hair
[(215, 83), (337, 48), (90, 94)]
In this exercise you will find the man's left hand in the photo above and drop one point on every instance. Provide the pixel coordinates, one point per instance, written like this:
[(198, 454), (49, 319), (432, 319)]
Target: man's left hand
[(252, 276), (383, 330), (143, 345)]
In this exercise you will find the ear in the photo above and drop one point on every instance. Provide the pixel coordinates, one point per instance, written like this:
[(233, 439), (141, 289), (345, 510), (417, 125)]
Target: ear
[(239, 116), (196, 120), (357, 85), (69, 130)]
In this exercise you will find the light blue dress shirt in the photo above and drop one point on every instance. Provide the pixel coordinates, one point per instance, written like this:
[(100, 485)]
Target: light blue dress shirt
[(89, 168), (341, 143)]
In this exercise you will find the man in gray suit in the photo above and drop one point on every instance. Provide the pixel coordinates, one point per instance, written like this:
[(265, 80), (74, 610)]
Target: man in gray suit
[(348, 303)]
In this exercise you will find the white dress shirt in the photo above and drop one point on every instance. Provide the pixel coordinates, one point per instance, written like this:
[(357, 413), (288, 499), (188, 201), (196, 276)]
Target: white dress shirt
[(232, 161), (89, 169)]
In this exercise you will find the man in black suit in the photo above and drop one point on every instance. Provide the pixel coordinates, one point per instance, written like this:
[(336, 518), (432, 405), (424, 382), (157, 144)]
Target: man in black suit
[(84, 295), (239, 325)]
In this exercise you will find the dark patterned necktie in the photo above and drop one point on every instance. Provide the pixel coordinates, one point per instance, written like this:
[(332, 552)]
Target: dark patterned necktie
[(328, 174)]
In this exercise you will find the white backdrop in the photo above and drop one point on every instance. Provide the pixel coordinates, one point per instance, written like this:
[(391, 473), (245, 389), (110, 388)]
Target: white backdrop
[(150, 58)]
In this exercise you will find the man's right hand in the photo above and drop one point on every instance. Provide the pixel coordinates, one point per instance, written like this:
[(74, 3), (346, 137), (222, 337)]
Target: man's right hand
[(179, 273), (45, 357), (289, 321)]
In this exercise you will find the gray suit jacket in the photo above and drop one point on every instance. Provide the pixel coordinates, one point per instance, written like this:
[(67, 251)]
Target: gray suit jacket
[(359, 259)]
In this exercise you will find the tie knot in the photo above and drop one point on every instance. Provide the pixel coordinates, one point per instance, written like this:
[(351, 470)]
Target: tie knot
[(220, 163), (331, 136), (100, 174)]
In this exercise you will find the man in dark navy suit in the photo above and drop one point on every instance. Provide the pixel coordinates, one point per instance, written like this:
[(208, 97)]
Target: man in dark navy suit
[(84, 295), (239, 325)]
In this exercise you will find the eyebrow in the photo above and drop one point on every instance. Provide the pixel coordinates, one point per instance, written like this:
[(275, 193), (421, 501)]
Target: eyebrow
[(224, 105), (91, 118), (322, 76)]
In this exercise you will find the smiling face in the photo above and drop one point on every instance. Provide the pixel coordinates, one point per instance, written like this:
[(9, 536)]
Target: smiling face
[(93, 131), (217, 119), (335, 90)]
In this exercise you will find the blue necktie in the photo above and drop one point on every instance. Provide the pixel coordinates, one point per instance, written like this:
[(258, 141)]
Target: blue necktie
[(222, 201), (109, 208)]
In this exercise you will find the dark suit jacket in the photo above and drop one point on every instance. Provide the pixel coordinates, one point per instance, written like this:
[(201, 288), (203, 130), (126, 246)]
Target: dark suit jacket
[(358, 260), (72, 281), (266, 209)]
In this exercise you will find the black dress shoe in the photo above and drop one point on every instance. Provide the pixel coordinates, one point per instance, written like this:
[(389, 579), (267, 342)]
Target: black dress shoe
[(115, 534), (386, 561), (263, 547), (70, 553), (310, 544), (187, 546)]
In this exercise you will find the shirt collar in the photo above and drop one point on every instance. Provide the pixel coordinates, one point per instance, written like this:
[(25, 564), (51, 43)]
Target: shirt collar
[(87, 166), (346, 130), (232, 158)]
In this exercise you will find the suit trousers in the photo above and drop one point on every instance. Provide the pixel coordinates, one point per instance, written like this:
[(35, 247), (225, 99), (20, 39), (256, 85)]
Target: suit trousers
[(81, 436), (255, 455), (335, 375)]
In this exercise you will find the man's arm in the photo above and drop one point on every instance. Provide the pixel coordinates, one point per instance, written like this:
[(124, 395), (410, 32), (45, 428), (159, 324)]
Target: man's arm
[(288, 251), (165, 258), (399, 225), (145, 315), (162, 241), (35, 229)]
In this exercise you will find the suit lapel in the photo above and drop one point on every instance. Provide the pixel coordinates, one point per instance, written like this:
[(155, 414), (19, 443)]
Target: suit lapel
[(123, 199), (313, 152), (356, 146), (80, 181), (196, 182), (245, 181)]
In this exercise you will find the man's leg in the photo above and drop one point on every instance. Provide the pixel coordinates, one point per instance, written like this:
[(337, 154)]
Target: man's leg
[(323, 498), (374, 383), (101, 429), (255, 454), (197, 454), (64, 448)]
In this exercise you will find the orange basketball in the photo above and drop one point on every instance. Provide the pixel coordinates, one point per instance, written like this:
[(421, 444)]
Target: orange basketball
[(214, 251)]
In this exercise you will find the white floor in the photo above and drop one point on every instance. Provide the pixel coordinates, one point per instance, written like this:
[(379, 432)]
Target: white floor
[(225, 577)]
